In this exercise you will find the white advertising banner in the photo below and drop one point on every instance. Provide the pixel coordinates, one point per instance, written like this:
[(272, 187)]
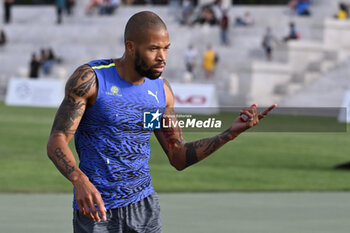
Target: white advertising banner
[(34, 92), (195, 98), (344, 115)]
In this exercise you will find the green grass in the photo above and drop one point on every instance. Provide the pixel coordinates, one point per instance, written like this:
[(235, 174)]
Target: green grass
[(253, 162)]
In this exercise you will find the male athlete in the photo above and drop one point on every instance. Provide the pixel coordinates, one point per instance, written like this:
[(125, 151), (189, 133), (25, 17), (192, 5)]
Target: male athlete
[(103, 107)]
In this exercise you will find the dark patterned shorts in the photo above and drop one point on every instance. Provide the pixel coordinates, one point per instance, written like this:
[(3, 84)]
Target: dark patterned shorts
[(140, 217)]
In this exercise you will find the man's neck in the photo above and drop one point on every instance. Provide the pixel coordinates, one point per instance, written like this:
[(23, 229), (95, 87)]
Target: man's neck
[(126, 70)]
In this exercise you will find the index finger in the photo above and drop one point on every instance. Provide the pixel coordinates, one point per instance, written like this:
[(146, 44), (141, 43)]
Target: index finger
[(101, 207), (266, 111)]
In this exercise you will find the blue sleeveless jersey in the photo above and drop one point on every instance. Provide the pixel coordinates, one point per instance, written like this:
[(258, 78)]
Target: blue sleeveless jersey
[(111, 140)]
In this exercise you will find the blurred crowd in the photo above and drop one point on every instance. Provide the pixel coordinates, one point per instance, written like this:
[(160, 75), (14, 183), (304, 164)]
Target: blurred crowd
[(189, 13), (300, 7), (43, 64), (209, 60), (103, 7)]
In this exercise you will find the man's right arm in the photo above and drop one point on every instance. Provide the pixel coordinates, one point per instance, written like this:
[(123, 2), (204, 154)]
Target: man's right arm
[(80, 89)]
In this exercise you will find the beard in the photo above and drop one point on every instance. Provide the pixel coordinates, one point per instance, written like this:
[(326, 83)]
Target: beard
[(140, 65)]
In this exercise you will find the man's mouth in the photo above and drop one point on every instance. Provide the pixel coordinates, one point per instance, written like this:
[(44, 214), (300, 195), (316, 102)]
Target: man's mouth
[(159, 68)]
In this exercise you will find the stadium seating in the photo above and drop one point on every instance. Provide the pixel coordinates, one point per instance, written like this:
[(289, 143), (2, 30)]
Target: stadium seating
[(296, 65)]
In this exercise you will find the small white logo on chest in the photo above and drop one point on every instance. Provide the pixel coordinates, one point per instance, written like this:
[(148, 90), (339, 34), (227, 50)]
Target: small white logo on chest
[(155, 95)]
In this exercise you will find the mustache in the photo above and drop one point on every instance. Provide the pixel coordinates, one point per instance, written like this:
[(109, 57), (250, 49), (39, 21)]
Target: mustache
[(159, 64)]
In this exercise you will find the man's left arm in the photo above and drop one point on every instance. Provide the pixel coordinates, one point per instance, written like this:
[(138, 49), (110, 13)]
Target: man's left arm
[(182, 154)]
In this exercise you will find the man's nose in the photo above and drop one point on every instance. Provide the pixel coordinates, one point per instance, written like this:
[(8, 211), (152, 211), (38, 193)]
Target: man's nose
[(161, 55)]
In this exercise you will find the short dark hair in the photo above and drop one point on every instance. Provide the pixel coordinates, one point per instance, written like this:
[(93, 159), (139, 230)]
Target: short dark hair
[(140, 23)]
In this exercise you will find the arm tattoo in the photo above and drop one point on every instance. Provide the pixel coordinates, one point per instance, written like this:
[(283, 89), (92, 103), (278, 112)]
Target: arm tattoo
[(81, 82), (197, 150), (205, 146), (66, 115), (226, 135), (169, 133), (85, 74), (191, 151), (191, 155), (66, 169), (180, 140)]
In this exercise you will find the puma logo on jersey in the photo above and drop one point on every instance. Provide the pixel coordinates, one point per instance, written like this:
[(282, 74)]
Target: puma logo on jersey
[(155, 95)]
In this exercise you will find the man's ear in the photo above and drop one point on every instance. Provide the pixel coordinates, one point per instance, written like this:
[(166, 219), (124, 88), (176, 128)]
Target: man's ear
[(130, 47)]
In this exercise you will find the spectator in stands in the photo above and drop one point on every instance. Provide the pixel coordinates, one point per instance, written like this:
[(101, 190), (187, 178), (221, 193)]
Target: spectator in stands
[(292, 5), (43, 56), (224, 26), (206, 16), (93, 4), (34, 67), (2, 38), (303, 8), (108, 7), (51, 55), (209, 62), (7, 8), (60, 5), (190, 57), (49, 62), (267, 43), (210, 13), (343, 11), (188, 8), (300, 7), (69, 6), (217, 9), (246, 20), (293, 33)]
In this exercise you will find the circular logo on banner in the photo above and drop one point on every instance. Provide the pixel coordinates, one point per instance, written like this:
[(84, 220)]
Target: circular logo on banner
[(23, 90)]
